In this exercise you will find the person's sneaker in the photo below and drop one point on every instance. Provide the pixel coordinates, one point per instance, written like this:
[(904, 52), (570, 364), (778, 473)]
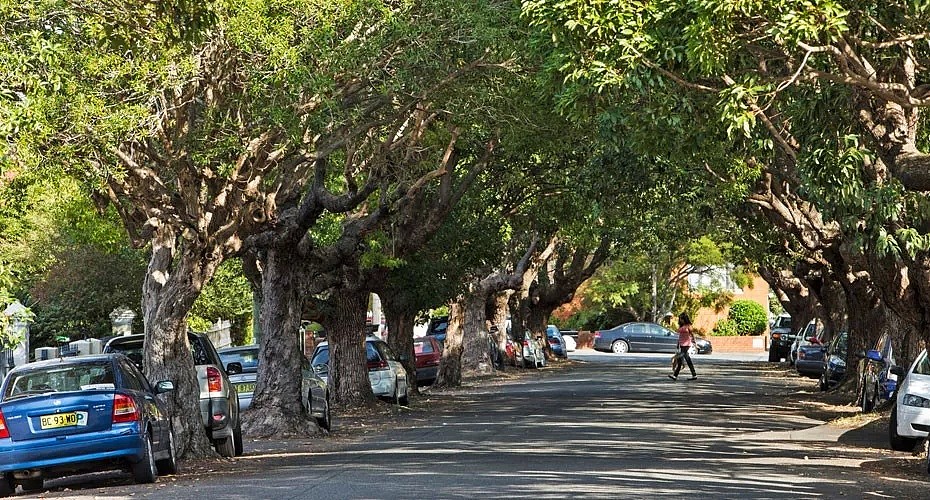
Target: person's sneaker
[(673, 377), (693, 377)]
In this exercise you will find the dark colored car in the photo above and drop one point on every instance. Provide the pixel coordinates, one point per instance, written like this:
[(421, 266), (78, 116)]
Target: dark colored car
[(314, 393), (556, 341), (437, 328), (219, 403), (428, 353), (834, 368), (629, 337), (878, 380), (811, 360), (82, 414), (781, 338)]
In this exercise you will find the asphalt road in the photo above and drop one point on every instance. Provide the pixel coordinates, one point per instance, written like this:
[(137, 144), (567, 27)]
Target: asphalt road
[(609, 426)]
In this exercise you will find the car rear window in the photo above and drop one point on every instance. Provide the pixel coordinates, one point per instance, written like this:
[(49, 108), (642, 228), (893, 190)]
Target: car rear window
[(61, 378), (248, 358), (321, 357), (423, 347)]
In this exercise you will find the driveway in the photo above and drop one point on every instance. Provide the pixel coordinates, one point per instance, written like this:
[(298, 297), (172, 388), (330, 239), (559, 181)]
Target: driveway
[(605, 426)]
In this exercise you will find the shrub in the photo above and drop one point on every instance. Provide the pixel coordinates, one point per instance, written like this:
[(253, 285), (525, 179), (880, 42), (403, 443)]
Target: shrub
[(725, 328), (750, 317)]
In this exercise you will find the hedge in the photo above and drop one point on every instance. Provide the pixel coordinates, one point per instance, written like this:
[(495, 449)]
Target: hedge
[(749, 316)]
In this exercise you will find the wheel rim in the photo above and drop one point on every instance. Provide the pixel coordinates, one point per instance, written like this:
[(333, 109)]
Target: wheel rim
[(620, 347)]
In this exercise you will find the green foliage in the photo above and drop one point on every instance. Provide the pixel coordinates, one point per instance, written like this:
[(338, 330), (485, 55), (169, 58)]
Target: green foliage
[(227, 296), (726, 328), (748, 316)]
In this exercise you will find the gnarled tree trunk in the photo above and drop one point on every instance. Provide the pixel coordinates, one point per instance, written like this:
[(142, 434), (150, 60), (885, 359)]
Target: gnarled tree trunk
[(171, 286), (344, 320), (277, 407), (400, 336), (476, 355), (450, 368)]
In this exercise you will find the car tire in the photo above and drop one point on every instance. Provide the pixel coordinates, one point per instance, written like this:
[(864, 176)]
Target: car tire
[(7, 488), (899, 443), (226, 447), (237, 438), (692, 351), (32, 484), (824, 385), (773, 355), (169, 465), (144, 471), (620, 347), (326, 421)]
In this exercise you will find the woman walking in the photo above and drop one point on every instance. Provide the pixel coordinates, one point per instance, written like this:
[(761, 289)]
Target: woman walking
[(685, 339)]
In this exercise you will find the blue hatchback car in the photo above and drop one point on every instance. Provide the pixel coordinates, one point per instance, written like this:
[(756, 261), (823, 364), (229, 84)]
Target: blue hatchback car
[(82, 414)]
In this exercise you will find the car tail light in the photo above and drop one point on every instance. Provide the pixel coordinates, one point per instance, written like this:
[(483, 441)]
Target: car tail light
[(377, 365), (4, 432), (776, 336), (124, 409), (597, 334), (214, 381)]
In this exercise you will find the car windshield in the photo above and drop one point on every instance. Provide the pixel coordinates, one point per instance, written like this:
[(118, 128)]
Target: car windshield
[(922, 367), (60, 378), (783, 322), (248, 358), (131, 348)]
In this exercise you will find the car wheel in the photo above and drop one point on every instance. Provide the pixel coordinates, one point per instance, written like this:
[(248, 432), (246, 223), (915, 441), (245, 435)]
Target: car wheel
[(144, 471), (325, 421), (6, 486), (619, 347), (226, 447), (237, 438), (692, 350), (823, 382), (32, 484), (898, 443), (170, 464), (773, 355)]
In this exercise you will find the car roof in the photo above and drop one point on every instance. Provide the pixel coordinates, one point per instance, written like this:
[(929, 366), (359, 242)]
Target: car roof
[(250, 347)]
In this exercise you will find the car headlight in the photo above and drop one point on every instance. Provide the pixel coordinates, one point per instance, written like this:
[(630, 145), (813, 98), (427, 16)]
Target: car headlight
[(915, 400)]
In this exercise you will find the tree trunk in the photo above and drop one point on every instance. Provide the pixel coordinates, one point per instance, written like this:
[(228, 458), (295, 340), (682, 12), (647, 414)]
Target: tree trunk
[(450, 367), (345, 332), (169, 290), (537, 319), (400, 337), (476, 358), (498, 312), (277, 408)]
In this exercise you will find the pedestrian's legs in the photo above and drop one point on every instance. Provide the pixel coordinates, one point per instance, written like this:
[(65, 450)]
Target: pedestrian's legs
[(687, 358)]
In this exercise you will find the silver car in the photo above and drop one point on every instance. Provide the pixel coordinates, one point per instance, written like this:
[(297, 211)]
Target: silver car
[(386, 370), (219, 404), (314, 393)]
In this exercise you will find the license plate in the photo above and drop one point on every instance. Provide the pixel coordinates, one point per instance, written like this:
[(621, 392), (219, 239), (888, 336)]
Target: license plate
[(245, 388), (58, 420)]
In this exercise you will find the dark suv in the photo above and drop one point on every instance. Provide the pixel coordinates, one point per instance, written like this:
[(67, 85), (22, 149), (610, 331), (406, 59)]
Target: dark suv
[(219, 403), (782, 338)]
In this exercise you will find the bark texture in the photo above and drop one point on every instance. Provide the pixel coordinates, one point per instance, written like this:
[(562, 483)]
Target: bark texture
[(450, 367), (344, 321), (277, 412), (476, 353)]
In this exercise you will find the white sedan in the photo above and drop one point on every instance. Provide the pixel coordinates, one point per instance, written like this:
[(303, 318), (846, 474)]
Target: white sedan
[(910, 416)]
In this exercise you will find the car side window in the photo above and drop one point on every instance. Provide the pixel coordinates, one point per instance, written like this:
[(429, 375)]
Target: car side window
[(636, 328), (321, 357), (132, 379)]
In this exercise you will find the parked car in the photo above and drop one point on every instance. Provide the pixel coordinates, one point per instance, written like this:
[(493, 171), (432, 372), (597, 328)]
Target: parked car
[(556, 341), (811, 334), (219, 403), (437, 328), (428, 352), (638, 336), (386, 372), (570, 343), (314, 393), (834, 368), (82, 414), (531, 352), (878, 381), (700, 346), (910, 415), (811, 360), (781, 338)]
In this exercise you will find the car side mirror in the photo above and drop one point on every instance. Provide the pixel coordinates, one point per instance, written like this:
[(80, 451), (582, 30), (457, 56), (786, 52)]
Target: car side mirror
[(234, 368), (898, 370), (164, 386)]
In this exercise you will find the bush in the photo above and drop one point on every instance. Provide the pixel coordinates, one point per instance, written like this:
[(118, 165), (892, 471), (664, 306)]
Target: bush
[(726, 328), (750, 317)]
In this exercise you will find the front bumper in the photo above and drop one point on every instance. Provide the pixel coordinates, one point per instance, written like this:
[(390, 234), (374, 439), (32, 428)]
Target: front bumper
[(913, 421)]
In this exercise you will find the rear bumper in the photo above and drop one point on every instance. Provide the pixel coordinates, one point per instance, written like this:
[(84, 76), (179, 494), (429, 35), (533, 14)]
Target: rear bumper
[(427, 373), (810, 368), (216, 427), (72, 452)]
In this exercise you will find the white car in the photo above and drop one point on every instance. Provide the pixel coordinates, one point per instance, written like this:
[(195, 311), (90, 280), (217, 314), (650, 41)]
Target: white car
[(910, 416), (385, 369)]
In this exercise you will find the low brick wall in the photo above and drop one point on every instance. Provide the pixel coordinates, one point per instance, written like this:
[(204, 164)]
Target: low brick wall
[(755, 343)]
